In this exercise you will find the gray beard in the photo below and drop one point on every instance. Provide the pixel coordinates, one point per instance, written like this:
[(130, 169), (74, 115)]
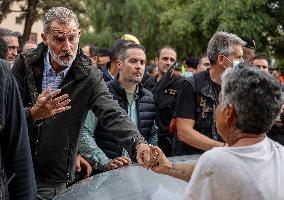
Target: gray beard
[(57, 59)]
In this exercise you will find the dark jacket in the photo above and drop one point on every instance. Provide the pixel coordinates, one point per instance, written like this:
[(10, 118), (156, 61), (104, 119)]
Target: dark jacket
[(106, 75), (165, 95), (146, 116), (150, 83), (206, 101), (54, 141), (15, 156)]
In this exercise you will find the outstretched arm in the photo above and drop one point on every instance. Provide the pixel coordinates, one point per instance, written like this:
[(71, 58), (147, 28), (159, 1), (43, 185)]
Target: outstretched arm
[(162, 165)]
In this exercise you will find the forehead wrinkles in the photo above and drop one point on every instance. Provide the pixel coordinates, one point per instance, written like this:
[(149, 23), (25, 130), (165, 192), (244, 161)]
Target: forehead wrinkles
[(67, 32), (66, 29)]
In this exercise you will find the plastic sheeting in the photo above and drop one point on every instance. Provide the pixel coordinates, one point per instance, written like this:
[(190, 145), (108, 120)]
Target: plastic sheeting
[(132, 182)]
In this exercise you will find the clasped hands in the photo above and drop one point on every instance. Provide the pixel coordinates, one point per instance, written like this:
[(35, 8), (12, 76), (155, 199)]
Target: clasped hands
[(152, 157)]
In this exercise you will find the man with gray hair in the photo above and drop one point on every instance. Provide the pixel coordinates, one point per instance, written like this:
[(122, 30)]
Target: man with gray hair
[(198, 97), (58, 85), (11, 39), (251, 166)]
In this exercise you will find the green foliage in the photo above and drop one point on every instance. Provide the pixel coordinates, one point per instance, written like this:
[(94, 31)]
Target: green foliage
[(188, 24), (185, 24)]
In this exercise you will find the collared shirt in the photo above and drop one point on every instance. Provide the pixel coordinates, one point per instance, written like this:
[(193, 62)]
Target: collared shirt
[(50, 77), (132, 110)]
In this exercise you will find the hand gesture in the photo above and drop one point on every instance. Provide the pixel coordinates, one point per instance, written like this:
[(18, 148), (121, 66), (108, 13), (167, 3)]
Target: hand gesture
[(83, 163), (160, 163), (47, 104), (144, 155), (118, 162)]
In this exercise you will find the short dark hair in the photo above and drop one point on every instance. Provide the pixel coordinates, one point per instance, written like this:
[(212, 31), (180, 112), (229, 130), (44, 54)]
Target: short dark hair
[(94, 51), (261, 56), (115, 48), (191, 62), (104, 52), (123, 51), (4, 32), (166, 47), (151, 68)]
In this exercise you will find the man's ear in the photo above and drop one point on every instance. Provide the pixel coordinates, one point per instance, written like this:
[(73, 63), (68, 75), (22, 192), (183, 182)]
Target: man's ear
[(230, 114), (118, 64), (44, 38), (220, 60), (79, 33)]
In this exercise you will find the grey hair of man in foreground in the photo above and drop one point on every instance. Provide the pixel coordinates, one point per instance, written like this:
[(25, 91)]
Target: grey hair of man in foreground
[(255, 95)]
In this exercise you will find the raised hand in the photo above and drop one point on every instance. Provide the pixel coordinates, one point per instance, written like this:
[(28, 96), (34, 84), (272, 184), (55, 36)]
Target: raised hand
[(47, 104), (118, 162)]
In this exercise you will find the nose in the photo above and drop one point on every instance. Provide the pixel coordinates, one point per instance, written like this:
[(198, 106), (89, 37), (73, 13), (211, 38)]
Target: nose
[(139, 65), (66, 46), (15, 52)]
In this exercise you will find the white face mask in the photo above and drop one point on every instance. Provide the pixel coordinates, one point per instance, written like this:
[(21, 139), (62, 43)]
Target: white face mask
[(234, 62)]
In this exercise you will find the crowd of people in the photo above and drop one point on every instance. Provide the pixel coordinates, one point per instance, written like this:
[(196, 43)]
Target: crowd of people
[(67, 110)]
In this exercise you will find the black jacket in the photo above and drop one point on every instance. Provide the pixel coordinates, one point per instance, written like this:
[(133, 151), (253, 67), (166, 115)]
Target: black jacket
[(146, 116), (206, 101), (106, 75), (165, 95), (54, 141), (15, 156)]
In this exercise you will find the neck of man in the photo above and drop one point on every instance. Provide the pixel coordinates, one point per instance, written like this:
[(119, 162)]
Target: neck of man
[(238, 138), (129, 87), (55, 66), (160, 76), (113, 69), (216, 72)]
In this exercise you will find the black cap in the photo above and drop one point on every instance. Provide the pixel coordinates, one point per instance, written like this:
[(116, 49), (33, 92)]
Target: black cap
[(250, 43)]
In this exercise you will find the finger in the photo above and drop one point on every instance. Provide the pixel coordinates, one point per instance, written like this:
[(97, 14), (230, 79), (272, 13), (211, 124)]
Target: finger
[(123, 160), (117, 162), (78, 166), (45, 92), (62, 109), (154, 159), (128, 159), (112, 166), (146, 158), (139, 158), (144, 152), (157, 149), (53, 94), (60, 98), (62, 104)]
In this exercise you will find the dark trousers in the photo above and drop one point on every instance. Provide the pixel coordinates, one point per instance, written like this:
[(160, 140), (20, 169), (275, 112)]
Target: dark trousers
[(48, 190)]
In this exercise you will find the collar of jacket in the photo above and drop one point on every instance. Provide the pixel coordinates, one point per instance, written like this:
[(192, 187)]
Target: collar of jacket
[(78, 67), (105, 71), (120, 90), (207, 89)]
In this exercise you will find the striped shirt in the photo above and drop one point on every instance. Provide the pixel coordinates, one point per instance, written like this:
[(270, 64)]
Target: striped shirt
[(50, 77)]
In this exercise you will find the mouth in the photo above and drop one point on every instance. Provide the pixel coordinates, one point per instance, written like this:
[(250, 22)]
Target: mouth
[(66, 57)]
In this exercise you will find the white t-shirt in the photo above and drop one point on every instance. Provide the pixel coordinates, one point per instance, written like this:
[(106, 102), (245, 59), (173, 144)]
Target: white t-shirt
[(250, 172)]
